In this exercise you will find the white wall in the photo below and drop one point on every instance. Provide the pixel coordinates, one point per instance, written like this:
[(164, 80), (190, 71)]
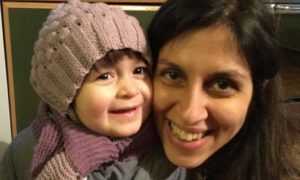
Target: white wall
[(5, 130)]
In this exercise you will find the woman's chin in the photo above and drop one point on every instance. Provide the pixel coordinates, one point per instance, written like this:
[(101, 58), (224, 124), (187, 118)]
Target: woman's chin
[(186, 163)]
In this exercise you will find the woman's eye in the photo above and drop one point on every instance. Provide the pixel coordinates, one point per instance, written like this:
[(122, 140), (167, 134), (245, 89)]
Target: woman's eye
[(172, 76), (104, 76), (222, 86)]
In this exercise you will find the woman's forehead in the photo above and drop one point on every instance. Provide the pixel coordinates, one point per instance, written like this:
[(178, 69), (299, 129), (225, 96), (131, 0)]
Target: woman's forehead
[(215, 42)]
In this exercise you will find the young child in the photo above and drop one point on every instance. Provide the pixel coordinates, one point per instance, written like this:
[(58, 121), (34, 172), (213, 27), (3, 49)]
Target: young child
[(91, 69)]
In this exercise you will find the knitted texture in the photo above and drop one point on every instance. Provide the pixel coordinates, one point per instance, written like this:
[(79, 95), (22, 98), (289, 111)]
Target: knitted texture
[(49, 139), (74, 36), (63, 145), (59, 168)]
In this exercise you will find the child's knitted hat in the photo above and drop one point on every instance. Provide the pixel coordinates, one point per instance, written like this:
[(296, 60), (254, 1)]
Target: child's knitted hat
[(75, 35)]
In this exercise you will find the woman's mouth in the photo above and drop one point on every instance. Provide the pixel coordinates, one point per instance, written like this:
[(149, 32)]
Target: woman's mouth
[(184, 135)]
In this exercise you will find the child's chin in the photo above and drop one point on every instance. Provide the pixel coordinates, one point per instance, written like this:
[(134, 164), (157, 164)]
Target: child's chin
[(126, 131)]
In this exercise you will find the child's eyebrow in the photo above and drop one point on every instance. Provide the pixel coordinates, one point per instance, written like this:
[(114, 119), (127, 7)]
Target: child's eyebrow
[(102, 63)]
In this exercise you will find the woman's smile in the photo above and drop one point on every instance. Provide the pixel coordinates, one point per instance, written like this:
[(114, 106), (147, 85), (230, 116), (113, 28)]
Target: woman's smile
[(185, 135), (187, 140), (202, 92)]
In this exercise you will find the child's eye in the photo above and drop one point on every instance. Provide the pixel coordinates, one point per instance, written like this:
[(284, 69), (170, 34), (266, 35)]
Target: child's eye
[(140, 70), (105, 76)]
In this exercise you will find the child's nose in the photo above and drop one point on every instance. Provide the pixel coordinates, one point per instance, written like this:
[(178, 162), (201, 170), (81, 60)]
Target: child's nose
[(127, 89)]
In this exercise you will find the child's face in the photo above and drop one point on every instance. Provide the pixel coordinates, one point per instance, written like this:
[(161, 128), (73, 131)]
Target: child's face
[(115, 99)]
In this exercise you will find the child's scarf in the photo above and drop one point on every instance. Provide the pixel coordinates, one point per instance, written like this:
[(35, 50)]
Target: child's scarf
[(67, 150)]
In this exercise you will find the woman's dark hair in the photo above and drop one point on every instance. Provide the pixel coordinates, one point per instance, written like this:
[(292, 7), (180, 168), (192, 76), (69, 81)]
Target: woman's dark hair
[(263, 148)]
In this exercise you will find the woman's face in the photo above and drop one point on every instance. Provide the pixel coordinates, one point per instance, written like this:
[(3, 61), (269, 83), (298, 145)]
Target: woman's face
[(202, 92)]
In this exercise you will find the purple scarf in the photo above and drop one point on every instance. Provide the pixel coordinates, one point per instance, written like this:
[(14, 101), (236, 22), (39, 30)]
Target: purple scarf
[(86, 150)]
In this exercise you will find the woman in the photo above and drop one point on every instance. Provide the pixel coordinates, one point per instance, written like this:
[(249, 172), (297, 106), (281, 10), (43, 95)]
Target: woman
[(217, 90)]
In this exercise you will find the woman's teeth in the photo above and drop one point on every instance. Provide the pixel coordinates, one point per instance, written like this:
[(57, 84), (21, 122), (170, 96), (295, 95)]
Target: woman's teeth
[(183, 135)]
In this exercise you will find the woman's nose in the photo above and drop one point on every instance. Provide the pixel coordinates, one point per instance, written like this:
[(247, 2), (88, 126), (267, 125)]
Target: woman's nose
[(193, 106), (127, 88)]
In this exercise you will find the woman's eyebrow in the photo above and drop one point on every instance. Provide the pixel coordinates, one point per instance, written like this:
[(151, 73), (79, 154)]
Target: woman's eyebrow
[(168, 63), (231, 74)]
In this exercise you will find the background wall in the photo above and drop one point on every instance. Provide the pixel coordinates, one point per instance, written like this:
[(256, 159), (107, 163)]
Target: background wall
[(5, 131)]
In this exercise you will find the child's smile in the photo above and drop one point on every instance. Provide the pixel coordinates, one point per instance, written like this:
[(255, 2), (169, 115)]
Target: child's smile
[(115, 99)]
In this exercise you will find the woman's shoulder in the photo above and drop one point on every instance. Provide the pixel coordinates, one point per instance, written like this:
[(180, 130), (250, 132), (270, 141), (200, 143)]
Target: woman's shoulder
[(17, 158)]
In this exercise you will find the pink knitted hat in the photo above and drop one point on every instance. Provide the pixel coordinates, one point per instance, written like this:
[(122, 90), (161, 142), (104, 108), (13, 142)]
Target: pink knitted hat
[(75, 35)]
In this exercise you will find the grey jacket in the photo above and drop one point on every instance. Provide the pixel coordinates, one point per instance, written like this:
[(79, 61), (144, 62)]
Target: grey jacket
[(152, 166)]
